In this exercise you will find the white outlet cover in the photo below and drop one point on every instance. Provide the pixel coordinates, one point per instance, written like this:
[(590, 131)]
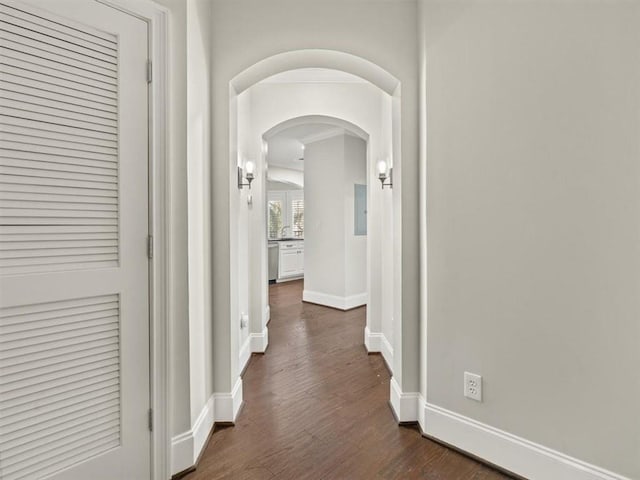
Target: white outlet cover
[(473, 386)]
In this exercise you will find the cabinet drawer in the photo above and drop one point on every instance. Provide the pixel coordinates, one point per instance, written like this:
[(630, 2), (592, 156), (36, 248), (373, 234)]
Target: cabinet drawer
[(291, 245)]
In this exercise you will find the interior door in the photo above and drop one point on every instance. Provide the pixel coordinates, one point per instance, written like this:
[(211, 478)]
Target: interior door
[(74, 285)]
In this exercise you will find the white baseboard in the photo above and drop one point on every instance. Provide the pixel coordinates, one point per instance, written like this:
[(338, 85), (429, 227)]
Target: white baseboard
[(227, 405), (387, 353), (187, 446), (421, 412), (372, 341), (404, 404), (335, 301), (289, 279), (505, 450), (377, 342), (182, 452), (259, 341), (245, 353)]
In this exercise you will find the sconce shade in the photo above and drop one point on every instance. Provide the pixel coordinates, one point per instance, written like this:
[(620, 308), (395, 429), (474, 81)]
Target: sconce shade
[(384, 173), (248, 174)]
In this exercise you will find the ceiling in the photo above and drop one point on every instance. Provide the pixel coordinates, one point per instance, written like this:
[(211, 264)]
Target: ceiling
[(314, 75), (286, 147)]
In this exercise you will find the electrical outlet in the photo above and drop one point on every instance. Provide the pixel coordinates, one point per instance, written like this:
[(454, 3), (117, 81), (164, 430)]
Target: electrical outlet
[(244, 320), (473, 386)]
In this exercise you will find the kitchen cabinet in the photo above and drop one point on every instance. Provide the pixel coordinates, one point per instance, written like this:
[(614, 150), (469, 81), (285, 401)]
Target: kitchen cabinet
[(291, 260)]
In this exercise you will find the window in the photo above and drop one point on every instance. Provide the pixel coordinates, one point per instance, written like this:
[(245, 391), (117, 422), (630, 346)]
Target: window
[(275, 218), (285, 214), (295, 202), (297, 210)]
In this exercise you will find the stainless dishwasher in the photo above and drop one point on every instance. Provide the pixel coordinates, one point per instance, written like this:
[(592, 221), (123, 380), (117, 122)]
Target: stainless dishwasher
[(273, 261)]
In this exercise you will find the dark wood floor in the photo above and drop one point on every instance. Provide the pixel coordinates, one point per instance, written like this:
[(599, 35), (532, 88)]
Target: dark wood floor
[(316, 407)]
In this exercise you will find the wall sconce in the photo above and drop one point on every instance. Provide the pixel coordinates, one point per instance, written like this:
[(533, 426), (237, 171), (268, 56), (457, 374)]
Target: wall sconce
[(385, 173), (246, 174)]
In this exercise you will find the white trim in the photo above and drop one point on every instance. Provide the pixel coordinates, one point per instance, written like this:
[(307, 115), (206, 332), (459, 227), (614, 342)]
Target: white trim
[(182, 452), (157, 17), (289, 279), (405, 405), (378, 343), (372, 341), (387, 353), (422, 412), (202, 428), (227, 405), (334, 301), (259, 341), (267, 315), (245, 353), (187, 447), (508, 451)]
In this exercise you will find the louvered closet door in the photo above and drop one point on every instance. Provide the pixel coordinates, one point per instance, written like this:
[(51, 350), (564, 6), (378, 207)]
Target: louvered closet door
[(74, 315)]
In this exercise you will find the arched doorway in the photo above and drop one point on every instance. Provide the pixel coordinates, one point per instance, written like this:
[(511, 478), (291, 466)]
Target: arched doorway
[(246, 259)]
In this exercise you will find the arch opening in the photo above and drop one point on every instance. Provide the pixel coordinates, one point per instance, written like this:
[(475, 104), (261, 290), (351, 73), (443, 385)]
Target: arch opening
[(316, 58), (249, 134)]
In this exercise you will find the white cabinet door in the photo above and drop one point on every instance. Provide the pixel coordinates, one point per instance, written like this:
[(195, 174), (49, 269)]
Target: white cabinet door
[(289, 265), (74, 300)]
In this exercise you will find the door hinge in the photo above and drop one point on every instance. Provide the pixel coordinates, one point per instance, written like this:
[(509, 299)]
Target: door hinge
[(150, 419), (149, 71), (150, 246)]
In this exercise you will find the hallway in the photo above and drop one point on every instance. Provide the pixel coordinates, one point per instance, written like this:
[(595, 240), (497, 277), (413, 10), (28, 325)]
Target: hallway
[(316, 407)]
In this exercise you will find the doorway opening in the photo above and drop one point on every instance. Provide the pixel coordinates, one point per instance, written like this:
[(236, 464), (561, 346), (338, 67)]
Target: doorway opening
[(316, 193), (352, 103)]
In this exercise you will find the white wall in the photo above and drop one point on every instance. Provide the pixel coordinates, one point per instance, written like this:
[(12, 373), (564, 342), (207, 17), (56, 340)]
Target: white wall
[(355, 246), (243, 259), (533, 225), (190, 315), (324, 245), (179, 307), (281, 187), (335, 271), (198, 159)]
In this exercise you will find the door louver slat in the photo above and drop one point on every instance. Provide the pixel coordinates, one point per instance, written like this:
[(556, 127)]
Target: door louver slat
[(19, 42), (70, 35), (12, 56), (47, 85), (69, 101), (15, 34), (59, 132), (58, 144), (57, 406)]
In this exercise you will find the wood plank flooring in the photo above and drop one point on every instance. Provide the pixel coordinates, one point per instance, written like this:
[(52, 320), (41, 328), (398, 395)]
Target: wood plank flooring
[(316, 408)]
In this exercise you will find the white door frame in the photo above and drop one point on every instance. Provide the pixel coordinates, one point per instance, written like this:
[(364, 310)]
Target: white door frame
[(157, 18)]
